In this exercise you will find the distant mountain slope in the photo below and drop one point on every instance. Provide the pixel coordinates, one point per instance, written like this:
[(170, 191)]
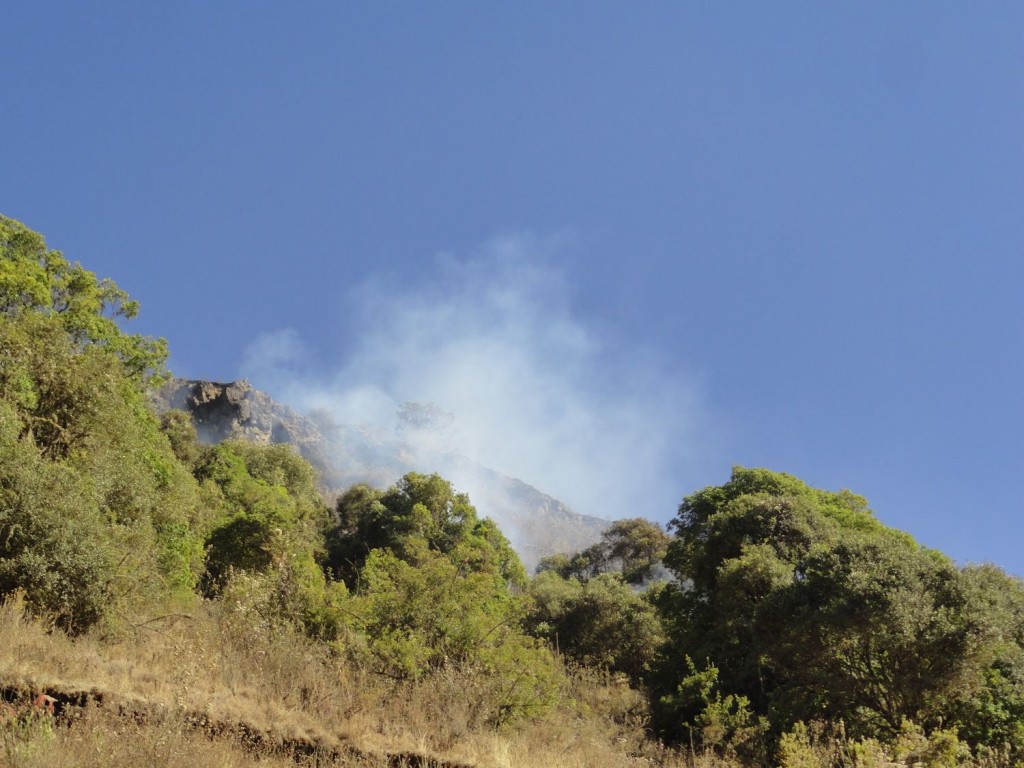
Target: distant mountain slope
[(537, 524)]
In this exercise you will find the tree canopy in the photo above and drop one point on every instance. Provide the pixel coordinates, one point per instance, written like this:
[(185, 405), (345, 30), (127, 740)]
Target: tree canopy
[(633, 548), (36, 279), (810, 609), (419, 511)]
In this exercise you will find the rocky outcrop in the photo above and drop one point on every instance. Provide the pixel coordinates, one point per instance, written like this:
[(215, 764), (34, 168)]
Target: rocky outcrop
[(236, 410), (536, 524)]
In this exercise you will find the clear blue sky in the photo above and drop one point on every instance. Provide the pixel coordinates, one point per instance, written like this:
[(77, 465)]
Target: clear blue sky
[(806, 216)]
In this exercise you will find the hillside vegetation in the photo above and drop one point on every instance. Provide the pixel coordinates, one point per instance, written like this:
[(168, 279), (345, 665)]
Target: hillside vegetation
[(190, 604)]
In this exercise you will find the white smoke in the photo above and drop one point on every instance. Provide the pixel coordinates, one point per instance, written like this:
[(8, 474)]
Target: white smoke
[(532, 392)]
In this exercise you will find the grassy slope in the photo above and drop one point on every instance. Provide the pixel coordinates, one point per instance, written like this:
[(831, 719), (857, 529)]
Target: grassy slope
[(220, 689)]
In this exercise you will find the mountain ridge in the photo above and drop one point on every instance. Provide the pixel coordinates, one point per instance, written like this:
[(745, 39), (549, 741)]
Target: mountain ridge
[(536, 523)]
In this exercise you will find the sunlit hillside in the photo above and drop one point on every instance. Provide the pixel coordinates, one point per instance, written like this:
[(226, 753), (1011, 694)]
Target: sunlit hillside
[(169, 601)]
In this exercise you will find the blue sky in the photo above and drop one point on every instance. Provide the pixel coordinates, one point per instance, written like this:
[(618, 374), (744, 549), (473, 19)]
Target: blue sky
[(628, 245)]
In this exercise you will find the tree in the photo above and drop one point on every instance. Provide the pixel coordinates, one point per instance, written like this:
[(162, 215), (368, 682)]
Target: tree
[(886, 632), (992, 713), (435, 587), (602, 622), (811, 609), (633, 548), (269, 524), (420, 614), (96, 513), (637, 546), (35, 279), (418, 509)]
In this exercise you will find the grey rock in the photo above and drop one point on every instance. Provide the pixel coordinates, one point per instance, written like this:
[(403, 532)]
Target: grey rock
[(537, 524)]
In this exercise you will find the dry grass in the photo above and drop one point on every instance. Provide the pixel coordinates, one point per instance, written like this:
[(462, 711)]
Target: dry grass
[(224, 687), (101, 738)]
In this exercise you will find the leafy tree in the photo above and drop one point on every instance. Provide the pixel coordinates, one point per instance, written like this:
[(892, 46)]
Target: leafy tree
[(76, 422), (96, 512), (602, 622), (35, 279), (418, 615), (55, 545), (184, 440), (887, 633), (992, 713), (121, 521), (758, 505), (434, 587), (721, 723), (587, 605), (581, 566), (637, 546), (269, 524), (812, 609), (633, 548), (421, 509)]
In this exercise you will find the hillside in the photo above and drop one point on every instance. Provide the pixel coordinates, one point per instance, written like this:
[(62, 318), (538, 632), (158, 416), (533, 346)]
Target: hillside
[(537, 524), (168, 600)]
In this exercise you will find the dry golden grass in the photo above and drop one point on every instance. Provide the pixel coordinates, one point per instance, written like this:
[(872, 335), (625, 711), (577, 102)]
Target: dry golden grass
[(223, 687), (104, 739)]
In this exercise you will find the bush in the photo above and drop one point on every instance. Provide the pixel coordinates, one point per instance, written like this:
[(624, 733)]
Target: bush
[(96, 513), (602, 623)]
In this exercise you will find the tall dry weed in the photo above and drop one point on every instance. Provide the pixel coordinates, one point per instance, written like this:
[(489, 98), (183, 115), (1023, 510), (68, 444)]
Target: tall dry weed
[(230, 662)]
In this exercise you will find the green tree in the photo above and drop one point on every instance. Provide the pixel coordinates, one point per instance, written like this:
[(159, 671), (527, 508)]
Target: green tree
[(887, 633), (269, 524), (812, 609), (602, 622), (78, 421), (35, 279), (96, 513), (435, 587), (178, 427), (637, 546), (633, 548), (721, 723), (420, 614), (417, 509), (992, 713), (55, 545)]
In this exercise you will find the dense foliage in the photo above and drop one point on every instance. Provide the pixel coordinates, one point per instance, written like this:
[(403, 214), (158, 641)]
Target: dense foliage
[(775, 622), (96, 514), (435, 586), (38, 280), (802, 607)]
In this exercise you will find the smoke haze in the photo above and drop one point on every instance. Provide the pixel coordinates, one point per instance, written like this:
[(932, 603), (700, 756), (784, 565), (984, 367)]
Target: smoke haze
[(522, 385)]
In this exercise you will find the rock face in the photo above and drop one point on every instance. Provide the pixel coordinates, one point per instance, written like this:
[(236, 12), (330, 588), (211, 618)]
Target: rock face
[(235, 410), (537, 524)]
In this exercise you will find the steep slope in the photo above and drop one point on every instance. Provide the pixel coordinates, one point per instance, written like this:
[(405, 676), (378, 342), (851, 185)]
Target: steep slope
[(537, 524)]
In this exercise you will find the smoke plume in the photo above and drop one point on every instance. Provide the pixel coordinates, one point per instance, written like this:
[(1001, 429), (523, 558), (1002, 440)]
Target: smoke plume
[(487, 359)]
